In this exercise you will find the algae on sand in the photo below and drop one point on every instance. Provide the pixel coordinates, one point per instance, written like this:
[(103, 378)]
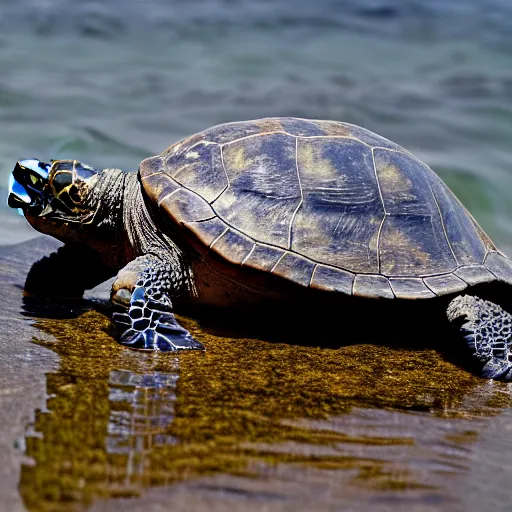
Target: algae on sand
[(292, 423)]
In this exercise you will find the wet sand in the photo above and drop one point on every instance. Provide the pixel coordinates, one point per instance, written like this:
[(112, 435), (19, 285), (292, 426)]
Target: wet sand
[(249, 425)]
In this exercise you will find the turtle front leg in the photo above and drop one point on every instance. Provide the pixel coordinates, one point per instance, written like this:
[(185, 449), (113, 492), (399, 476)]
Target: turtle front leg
[(487, 329), (144, 287)]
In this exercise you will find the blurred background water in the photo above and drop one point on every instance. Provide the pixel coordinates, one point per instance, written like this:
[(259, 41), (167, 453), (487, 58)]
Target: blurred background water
[(113, 82)]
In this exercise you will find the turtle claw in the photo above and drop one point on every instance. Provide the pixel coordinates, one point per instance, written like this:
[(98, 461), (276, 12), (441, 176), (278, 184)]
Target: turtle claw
[(498, 370), (121, 319), (152, 326), (162, 338), (487, 329)]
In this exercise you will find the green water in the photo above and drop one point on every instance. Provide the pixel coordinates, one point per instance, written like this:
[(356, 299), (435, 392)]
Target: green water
[(112, 84)]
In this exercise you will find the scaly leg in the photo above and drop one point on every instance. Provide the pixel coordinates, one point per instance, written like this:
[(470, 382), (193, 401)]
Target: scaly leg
[(487, 329), (144, 286)]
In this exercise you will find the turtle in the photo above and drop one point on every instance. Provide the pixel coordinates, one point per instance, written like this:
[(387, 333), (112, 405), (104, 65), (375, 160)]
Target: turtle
[(269, 210)]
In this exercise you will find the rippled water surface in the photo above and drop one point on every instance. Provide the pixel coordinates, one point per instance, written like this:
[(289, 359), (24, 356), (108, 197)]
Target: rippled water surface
[(250, 425)]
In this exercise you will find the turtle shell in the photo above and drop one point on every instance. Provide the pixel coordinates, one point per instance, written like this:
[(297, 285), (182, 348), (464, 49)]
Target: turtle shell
[(327, 205)]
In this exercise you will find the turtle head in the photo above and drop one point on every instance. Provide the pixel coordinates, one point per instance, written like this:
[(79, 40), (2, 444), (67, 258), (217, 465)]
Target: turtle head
[(55, 198)]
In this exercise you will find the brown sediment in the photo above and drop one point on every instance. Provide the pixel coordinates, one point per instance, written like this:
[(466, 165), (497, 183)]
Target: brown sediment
[(243, 405)]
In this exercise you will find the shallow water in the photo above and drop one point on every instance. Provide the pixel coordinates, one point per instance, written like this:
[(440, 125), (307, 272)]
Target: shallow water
[(249, 425)]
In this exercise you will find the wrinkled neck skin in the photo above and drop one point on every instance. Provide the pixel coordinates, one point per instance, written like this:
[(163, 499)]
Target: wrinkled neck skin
[(124, 223)]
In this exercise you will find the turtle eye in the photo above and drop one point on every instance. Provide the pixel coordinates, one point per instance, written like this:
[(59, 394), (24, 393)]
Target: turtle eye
[(61, 181), (66, 190), (74, 194), (70, 197)]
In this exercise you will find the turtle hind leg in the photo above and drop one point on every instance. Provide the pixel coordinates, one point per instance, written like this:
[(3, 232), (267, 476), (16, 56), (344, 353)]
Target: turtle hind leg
[(149, 323), (487, 329)]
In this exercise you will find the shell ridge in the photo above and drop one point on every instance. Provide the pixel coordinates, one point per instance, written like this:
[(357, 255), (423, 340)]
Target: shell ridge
[(279, 261), (313, 275), (201, 220), (343, 137), (244, 137), (248, 255), (162, 199), (218, 238), (225, 173), (379, 232), (443, 224), (383, 207), (301, 194)]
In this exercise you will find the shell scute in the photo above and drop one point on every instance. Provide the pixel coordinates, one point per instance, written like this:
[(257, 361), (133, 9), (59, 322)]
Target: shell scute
[(152, 165), (157, 184), (233, 246), (372, 286), (410, 288), (371, 138), (264, 191), (207, 231), (229, 132), (412, 241), (500, 266), (175, 151), (302, 127), (462, 231), (295, 268), (332, 279), (446, 283), (334, 128), (338, 220), (200, 168), (408, 247), (475, 274), (263, 257), (186, 206)]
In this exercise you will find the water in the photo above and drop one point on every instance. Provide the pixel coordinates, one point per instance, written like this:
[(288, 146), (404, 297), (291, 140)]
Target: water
[(113, 82)]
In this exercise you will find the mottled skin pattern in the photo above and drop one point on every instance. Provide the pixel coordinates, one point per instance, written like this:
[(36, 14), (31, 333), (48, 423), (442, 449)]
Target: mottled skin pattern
[(328, 206)]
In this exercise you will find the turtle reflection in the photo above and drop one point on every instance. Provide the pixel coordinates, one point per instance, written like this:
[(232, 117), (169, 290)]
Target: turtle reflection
[(95, 437), (373, 418), (142, 408)]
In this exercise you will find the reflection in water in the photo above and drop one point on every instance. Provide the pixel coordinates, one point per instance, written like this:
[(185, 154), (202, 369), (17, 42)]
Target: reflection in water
[(358, 421), (141, 409), (96, 436)]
